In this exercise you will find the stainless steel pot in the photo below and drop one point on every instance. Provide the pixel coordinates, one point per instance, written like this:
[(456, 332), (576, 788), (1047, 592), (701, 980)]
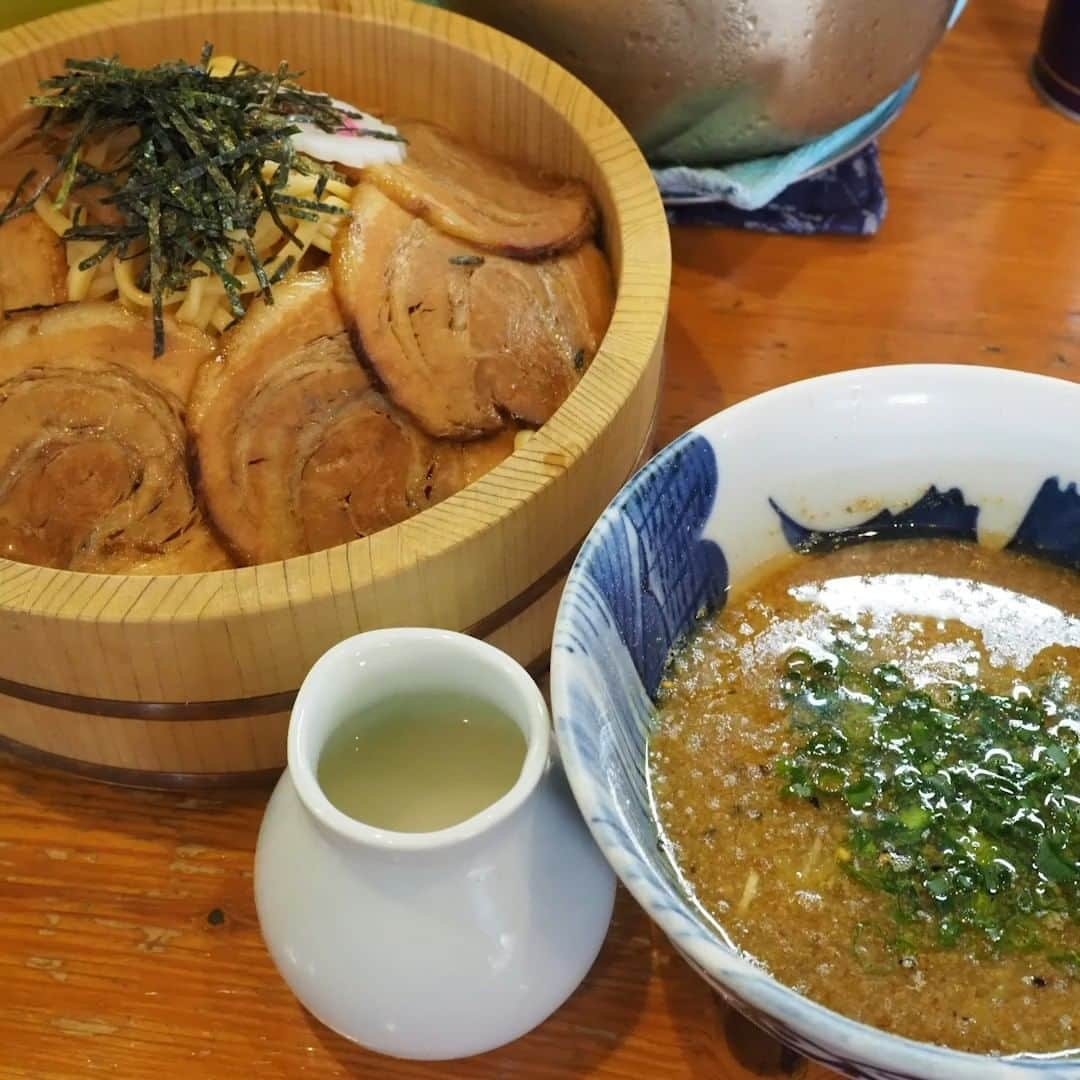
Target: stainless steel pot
[(721, 80)]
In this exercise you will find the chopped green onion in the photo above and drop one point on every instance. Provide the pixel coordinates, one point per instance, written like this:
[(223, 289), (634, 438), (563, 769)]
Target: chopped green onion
[(963, 806)]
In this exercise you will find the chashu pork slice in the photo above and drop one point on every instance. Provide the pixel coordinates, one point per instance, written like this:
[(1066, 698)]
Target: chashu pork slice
[(103, 332), (33, 262), (486, 201), (94, 457), (461, 340), (298, 449), (33, 258)]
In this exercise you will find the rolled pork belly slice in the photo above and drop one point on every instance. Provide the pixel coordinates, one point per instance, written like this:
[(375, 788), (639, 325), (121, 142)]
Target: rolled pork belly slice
[(298, 449), (95, 469), (33, 262), (493, 204), (33, 258), (463, 341)]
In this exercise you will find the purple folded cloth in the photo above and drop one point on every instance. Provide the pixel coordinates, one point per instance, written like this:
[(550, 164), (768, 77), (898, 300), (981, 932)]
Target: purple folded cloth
[(847, 199)]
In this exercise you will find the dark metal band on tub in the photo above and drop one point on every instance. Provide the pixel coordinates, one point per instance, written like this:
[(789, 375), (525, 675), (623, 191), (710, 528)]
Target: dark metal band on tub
[(266, 704), (121, 776), (148, 778)]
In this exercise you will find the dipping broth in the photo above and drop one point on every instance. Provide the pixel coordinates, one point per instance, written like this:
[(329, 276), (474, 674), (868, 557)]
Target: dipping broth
[(421, 762), (866, 769)]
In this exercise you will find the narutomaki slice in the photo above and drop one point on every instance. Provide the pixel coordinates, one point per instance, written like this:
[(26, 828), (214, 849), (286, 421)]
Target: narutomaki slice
[(94, 464), (461, 340), (298, 449), (486, 201)]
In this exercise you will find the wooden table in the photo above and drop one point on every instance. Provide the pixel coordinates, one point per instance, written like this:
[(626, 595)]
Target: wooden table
[(128, 940)]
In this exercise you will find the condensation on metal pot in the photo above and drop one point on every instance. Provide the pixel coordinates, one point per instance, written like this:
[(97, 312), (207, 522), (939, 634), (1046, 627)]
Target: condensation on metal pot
[(708, 81), (1055, 71)]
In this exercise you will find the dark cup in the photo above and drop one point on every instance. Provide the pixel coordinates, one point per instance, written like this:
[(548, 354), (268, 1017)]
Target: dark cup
[(1056, 68)]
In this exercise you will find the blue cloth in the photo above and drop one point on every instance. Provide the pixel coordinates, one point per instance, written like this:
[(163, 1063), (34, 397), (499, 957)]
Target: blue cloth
[(797, 192), (750, 185), (848, 200)]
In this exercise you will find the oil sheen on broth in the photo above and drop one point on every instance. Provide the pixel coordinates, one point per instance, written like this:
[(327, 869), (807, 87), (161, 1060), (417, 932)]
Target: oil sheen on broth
[(866, 769)]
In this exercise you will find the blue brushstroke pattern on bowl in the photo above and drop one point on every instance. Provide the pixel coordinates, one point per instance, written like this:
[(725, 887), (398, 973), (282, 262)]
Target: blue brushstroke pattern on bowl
[(970, 453)]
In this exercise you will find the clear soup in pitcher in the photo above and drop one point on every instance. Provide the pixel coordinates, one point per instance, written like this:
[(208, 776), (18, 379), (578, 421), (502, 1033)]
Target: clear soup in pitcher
[(421, 762)]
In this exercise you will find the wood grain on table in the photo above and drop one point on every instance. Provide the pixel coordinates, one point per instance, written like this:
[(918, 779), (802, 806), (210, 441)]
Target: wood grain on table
[(128, 940)]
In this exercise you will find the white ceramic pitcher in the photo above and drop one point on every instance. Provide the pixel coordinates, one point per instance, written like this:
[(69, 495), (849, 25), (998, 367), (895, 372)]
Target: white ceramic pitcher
[(428, 945)]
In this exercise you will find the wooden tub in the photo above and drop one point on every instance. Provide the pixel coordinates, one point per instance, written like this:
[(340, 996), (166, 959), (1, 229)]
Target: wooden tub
[(188, 680)]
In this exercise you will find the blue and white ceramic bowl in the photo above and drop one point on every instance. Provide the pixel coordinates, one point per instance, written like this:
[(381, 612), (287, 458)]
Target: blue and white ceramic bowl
[(908, 450)]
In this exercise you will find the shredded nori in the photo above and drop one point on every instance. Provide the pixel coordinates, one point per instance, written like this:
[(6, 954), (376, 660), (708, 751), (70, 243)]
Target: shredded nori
[(467, 260), (190, 189)]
